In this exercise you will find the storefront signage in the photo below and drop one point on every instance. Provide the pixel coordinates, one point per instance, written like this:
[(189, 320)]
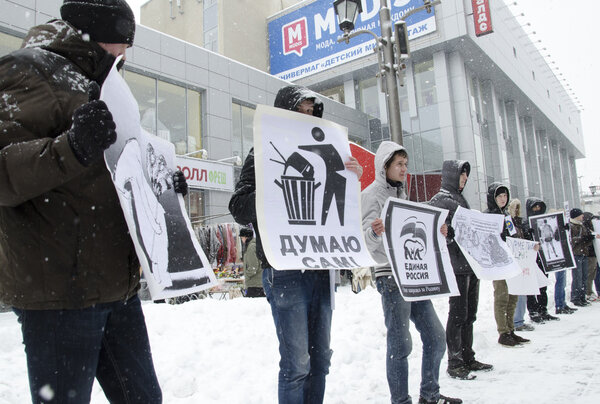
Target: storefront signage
[(482, 17), (304, 41), (206, 174)]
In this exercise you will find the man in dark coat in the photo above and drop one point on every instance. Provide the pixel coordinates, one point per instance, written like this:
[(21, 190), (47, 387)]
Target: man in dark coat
[(463, 309), (67, 263), (300, 300)]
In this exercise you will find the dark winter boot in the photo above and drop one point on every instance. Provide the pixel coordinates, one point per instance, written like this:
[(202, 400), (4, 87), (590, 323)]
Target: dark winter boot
[(537, 318), (570, 309), (441, 400), (460, 372), (477, 366), (519, 339), (549, 317), (507, 339)]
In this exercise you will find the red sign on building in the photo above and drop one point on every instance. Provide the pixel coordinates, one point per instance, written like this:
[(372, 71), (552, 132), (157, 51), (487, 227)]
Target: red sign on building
[(482, 17), (295, 36)]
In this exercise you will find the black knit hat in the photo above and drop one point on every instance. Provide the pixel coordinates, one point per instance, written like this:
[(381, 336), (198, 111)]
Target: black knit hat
[(108, 21), (246, 232), (575, 212)]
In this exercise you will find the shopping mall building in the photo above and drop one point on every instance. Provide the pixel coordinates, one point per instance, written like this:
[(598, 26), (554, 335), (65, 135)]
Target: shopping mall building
[(475, 88)]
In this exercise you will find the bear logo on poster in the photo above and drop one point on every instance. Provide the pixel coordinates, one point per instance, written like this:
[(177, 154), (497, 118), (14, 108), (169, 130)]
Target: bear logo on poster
[(414, 234)]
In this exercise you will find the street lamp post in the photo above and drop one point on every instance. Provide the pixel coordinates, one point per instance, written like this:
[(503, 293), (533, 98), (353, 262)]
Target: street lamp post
[(390, 64)]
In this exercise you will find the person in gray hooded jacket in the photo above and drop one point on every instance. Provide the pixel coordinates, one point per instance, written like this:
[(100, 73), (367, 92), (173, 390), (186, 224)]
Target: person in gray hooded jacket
[(391, 167), (463, 309)]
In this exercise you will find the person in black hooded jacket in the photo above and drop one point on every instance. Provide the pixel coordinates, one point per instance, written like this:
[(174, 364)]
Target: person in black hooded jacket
[(504, 303), (463, 309), (300, 300), (537, 305)]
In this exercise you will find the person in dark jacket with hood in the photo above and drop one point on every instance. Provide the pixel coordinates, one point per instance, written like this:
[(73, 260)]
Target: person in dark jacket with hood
[(581, 241), (300, 300), (504, 303), (67, 263), (537, 305), (463, 309)]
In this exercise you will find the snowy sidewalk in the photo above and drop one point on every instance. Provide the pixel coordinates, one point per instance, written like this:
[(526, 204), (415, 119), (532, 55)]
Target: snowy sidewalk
[(211, 351)]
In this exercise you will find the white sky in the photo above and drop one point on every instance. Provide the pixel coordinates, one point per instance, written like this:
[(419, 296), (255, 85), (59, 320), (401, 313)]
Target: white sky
[(567, 32)]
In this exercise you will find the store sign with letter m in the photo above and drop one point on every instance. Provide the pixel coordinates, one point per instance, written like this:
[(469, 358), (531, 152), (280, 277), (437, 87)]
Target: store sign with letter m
[(295, 36)]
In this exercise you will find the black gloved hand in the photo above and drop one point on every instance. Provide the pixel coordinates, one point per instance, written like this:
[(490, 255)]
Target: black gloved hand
[(180, 183), (93, 129), (451, 233)]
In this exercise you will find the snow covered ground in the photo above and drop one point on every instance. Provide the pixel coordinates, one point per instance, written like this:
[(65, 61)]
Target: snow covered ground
[(225, 352)]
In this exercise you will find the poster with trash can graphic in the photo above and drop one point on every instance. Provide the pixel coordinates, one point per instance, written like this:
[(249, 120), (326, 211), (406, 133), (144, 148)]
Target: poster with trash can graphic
[(416, 250), (307, 202)]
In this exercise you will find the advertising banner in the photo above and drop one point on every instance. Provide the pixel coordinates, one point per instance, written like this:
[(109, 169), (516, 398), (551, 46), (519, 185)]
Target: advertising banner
[(206, 174), (417, 250), (304, 41), (482, 17), (307, 202)]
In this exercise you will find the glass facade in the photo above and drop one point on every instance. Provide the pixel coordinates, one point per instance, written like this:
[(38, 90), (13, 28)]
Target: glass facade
[(8, 43), (425, 83)]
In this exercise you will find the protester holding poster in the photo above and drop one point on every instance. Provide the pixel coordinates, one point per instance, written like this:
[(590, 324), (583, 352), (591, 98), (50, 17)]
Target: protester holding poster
[(514, 210), (68, 265), (581, 241), (391, 167), (300, 300), (504, 303), (537, 305), (593, 276), (463, 308)]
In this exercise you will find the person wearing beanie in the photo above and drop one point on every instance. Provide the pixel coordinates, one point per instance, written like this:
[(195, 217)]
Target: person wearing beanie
[(581, 240), (303, 333), (68, 266)]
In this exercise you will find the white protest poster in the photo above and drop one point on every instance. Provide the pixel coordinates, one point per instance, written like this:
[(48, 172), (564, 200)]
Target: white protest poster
[(596, 226), (550, 230), (307, 203), (528, 281), (417, 250), (478, 236), (142, 167)]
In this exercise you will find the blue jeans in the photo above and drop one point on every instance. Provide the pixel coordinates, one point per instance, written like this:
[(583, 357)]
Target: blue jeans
[(559, 289), (579, 278), (67, 349), (301, 307), (519, 319), (397, 313)]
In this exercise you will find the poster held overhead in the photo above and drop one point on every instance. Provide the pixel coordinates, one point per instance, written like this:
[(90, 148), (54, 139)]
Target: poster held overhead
[(142, 167), (417, 250), (307, 202)]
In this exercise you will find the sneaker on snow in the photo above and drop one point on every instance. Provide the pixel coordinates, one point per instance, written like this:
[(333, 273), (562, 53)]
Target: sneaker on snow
[(507, 339), (519, 339), (537, 318), (563, 310), (460, 372), (569, 308), (549, 317), (580, 304), (525, 327), (441, 400), (477, 366)]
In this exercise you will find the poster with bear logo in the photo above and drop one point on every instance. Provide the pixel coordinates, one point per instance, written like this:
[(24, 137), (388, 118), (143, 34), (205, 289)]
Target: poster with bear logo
[(416, 249)]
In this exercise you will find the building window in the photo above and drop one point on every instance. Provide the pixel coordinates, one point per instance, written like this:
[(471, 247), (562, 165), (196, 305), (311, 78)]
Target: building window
[(242, 120), (425, 83), (533, 75), (9, 43), (514, 52), (211, 25), (369, 97), (335, 93), (169, 111), (194, 202), (548, 92), (559, 108)]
